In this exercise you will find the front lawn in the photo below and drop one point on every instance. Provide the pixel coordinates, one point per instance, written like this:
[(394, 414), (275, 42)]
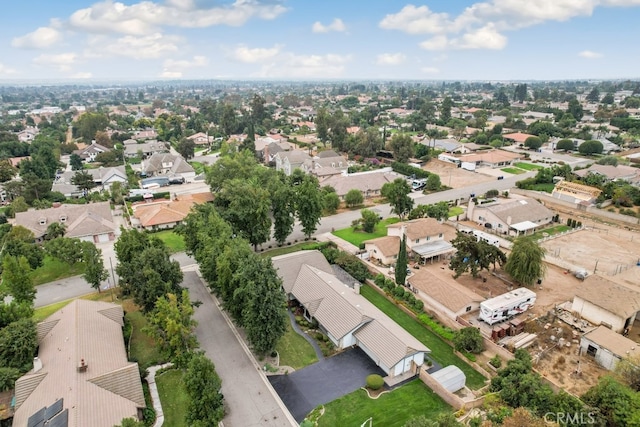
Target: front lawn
[(557, 229), (172, 240), (357, 237), (547, 187), (514, 171), (294, 350), (528, 166), (198, 167), (304, 246), (53, 269), (173, 397), (455, 211), (143, 348), (390, 409), (440, 350)]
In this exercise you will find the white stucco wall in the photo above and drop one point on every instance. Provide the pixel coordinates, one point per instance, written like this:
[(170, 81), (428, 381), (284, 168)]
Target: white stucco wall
[(597, 315), (604, 357)]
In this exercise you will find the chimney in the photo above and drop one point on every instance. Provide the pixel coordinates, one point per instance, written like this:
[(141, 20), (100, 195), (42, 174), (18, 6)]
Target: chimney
[(83, 366), (37, 364), (356, 287)]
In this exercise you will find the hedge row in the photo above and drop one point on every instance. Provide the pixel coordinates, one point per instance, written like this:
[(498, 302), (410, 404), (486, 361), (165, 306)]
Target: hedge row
[(408, 170)]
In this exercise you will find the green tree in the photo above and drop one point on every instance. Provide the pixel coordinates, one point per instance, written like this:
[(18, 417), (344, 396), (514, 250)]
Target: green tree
[(397, 193), (608, 99), (369, 220), (283, 209), (76, 162), (17, 279), (594, 95), (353, 198), (8, 377), (89, 123), (565, 144), (618, 404), (331, 202), (445, 109), (590, 147), (94, 272), (401, 262), (19, 205), (20, 241), (533, 142), (468, 339), (203, 386), (83, 180), (55, 229), (18, 343), (628, 370), (402, 147), (526, 261), (131, 422), (186, 148), (473, 255), (66, 249), (7, 171), (322, 124), (172, 326), (575, 109), (309, 205), (433, 182)]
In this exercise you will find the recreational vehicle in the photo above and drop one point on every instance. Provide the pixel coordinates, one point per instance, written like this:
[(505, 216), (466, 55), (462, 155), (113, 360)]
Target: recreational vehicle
[(507, 305), (485, 237)]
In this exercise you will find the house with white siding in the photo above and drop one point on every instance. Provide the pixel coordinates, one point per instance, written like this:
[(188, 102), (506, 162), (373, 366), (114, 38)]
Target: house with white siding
[(347, 317), (607, 347)]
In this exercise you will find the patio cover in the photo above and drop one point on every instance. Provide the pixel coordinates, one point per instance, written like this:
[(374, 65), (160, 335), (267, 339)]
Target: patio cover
[(431, 249), (524, 226)]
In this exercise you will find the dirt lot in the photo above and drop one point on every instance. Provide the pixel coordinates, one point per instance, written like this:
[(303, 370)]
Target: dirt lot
[(454, 177), (606, 250)]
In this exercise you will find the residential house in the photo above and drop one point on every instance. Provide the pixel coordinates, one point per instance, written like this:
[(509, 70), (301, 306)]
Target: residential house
[(575, 193), (145, 134), (425, 239), (170, 165), (268, 147), (89, 153), (15, 161), (347, 317), (200, 138), (450, 297), (517, 137), (132, 148), (612, 173), (288, 161), (608, 347), (82, 361), (92, 222), (603, 302), (168, 213), (326, 163), (102, 177), (368, 183), (28, 134), (492, 158), (513, 216)]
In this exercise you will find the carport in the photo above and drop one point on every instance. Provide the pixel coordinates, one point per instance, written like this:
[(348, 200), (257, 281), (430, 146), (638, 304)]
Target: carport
[(324, 381)]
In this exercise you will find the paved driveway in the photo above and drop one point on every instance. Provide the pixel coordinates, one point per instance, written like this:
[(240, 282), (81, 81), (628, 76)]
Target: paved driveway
[(324, 381), (248, 397)]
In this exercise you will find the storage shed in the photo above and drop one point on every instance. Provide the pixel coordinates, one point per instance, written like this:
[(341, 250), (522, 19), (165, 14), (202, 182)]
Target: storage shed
[(451, 378)]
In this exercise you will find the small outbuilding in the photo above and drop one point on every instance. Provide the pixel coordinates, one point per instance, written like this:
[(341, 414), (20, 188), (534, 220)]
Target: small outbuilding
[(607, 347), (451, 378)]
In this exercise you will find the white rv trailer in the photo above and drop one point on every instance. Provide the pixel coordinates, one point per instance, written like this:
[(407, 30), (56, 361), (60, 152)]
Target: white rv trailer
[(504, 306), (485, 237)]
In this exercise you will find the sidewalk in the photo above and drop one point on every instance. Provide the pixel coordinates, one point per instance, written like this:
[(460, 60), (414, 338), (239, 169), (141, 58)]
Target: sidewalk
[(155, 396), (342, 244)]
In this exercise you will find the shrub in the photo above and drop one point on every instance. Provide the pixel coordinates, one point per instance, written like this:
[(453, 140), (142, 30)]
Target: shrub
[(492, 193), (443, 332), (375, 382), (533, 142), (408, 170), (468, 340), (565, 144), (495, 361), (590, 147)]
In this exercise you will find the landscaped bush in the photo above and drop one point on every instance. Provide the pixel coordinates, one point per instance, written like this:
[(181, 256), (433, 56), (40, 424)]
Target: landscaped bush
[(408, 170), (352, 265), (468, 340), (495, 361), (436, 327), (375, 382)]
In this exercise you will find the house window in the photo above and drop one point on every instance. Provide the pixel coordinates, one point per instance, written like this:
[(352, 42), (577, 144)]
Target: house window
[(428, 238), (440, 235), (43, 221), (417, 241), (468, 309), (499, 225), (591, 350)]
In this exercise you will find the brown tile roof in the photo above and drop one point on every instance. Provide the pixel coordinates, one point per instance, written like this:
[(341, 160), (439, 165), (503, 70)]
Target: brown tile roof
[(518, 137), (493, 156), (388, 245), (107, 392), (81, 220), (420, 228), (613, 297), (614, 342), (451, 294)]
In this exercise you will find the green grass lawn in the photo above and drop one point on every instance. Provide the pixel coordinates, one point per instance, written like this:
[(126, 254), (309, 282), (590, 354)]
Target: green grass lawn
[(528, 166), (456, 210), (514, 171), (440, 350), (42, 313), (173, 241), (390, 409), (357, 237), (547, 187), (294, 350), (53, 269), (289, 249), (143, 348), (551, 231), (173, 397), (198, 167)]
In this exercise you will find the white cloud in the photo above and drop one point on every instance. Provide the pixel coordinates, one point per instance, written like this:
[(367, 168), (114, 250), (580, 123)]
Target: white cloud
[(483, 24), (150, 46), (430, 70), (171, 74), (173, 69), (252, 55), (589, 54), (61, 61), (147, 17), (290, 65), (4, 70), (336, 25), (41, 38), (391, 58), (82, 75)]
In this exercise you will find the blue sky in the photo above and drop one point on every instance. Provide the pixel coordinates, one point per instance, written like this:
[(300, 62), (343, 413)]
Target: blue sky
[(320, 39)]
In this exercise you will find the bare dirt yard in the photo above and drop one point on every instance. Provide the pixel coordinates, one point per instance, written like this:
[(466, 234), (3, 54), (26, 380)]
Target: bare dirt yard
[(454, 177)]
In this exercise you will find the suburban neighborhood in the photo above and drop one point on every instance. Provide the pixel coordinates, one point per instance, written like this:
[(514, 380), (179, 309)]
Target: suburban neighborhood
[(366, 252)]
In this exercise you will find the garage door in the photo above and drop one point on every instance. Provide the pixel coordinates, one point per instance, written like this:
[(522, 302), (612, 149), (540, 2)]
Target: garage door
[(103, 238)]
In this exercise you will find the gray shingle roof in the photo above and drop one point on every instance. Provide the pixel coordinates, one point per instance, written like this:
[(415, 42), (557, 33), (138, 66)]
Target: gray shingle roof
[(81, 220)]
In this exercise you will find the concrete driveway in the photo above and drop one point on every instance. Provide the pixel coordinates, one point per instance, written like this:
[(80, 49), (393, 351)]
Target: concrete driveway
[(324, 381), (250, 400)]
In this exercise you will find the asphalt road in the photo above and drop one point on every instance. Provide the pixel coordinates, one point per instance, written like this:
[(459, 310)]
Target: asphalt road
[(249, 397)]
